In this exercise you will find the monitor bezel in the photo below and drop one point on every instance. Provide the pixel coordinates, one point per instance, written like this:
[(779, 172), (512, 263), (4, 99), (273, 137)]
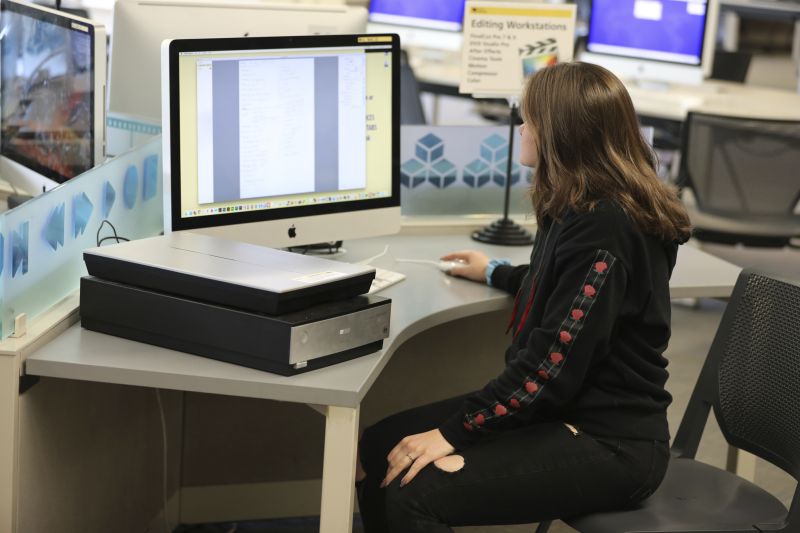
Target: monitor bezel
[(179, 46), (699, 64), (64, 20)]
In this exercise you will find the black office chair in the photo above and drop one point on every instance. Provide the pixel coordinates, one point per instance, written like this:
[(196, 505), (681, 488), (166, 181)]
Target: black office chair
[(752, 380), (731, 66), (744, 177), (411, 111)]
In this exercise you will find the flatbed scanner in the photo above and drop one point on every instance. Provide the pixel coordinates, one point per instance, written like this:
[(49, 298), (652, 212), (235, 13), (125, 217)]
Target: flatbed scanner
[(248, 305)]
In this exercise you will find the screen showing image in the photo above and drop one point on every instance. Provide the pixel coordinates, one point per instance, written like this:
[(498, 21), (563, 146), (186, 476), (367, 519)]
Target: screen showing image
[(663, 30), (438, 14), (284, 128), (47, 92)]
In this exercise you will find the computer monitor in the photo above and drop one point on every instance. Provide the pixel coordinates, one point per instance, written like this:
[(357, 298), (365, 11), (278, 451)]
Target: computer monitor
[(420, 23), (141, 25), (282, 141), (670, 41), (52, 95)]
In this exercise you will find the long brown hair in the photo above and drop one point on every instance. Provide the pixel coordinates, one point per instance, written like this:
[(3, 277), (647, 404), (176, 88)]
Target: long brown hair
[(591, 149)]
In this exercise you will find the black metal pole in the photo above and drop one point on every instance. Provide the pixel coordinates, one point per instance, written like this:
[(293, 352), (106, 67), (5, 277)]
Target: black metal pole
[(512, 120), (505, 231)]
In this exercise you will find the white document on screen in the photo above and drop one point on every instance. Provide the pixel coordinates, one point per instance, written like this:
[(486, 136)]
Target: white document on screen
[(276, 127)]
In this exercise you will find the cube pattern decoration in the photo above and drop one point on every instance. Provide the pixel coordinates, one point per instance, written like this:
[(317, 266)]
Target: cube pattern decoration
[(491, 166), (429, 165)]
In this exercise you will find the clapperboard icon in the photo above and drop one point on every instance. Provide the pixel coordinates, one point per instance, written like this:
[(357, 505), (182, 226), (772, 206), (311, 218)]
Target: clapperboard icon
[(538, 55)]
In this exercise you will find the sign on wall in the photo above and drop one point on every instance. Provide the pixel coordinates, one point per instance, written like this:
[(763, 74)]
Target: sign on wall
[(505, 42)]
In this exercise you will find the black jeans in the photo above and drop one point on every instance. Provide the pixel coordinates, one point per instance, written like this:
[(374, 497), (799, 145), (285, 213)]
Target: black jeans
[(539, 472)]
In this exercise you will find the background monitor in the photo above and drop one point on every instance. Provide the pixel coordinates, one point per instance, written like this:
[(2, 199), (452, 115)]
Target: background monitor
[(282, 141), (653, 40), (141, 25), (52, 95), (433, 24)]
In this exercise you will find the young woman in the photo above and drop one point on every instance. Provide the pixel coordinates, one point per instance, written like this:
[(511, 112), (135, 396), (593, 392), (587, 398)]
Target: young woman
[(576, 422)]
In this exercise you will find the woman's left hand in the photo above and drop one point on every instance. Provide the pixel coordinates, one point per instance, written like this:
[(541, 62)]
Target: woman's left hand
[(417, 452)]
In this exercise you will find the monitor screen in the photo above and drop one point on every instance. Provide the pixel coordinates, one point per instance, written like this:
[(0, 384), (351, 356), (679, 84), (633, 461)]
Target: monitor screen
[(273, 128), (48, 99), (438, 14), (661, 30)]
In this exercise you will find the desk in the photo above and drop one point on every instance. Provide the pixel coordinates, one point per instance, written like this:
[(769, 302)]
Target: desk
[(672, 103), (425, 299)]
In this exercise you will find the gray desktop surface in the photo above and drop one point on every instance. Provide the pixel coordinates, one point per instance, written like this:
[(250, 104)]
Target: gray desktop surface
[(425, 299)]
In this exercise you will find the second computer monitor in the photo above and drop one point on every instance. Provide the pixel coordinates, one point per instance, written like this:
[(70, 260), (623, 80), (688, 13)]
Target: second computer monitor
[(140, 26), (653, 40), (52, 99), (282, 141)]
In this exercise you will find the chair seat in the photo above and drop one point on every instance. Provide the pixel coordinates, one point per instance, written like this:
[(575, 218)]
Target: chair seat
[(785, 226), (693, 497)]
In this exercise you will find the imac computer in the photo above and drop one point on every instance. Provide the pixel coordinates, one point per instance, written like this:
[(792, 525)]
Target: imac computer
[(420, 23), (141, 25), (282, 141), (661, 41), (52, 95)]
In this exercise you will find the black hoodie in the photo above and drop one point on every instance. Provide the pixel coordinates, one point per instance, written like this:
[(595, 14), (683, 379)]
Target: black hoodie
[(590, 325)]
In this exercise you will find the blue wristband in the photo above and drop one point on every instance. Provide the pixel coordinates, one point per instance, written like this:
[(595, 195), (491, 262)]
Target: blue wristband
[(491, 266)]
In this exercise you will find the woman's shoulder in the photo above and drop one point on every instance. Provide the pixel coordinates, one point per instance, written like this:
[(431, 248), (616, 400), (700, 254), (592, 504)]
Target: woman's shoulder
[(605, 216)]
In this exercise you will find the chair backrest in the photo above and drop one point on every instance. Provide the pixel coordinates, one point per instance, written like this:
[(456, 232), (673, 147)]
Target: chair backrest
[(741, 167), (751, 377), (411, 110), (731, 66), (757, 354)]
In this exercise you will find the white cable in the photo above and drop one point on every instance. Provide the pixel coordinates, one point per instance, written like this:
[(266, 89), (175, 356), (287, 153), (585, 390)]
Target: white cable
[(419, 261), (167, 527), (369, 260)]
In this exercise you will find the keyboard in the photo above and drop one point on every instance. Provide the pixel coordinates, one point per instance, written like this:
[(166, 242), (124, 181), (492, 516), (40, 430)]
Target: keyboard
[(384, 278)]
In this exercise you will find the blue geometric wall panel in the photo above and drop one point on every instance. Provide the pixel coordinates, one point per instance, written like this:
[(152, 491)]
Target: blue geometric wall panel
[(444, 174), (19, 250), (491, 166), (429, 148), (53, 231), (499, 173), (429, 165), (109, 197), (476, 174), (412, 174), (81, 213), (130, 184), (494, 148), (149, 177), (2, 252)]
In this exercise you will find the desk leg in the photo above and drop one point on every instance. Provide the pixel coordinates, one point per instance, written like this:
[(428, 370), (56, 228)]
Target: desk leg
[(339, 470)]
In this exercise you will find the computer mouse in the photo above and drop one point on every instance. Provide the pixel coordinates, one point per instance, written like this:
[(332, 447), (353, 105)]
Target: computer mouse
[(447, 266)]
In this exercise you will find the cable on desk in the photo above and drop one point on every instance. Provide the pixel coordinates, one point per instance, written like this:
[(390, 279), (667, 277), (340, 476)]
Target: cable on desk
[(113, 237), (369, 260)]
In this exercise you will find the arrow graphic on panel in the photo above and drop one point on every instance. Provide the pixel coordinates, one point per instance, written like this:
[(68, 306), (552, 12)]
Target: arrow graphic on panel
[(150, 177), (81, 213), (109, 196), (19, 250), (53, 231)]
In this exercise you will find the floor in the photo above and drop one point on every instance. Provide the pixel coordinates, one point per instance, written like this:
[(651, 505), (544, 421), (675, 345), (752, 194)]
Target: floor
[(693, 327)]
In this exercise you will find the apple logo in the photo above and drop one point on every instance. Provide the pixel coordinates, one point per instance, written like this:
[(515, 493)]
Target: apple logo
[(292, 232)]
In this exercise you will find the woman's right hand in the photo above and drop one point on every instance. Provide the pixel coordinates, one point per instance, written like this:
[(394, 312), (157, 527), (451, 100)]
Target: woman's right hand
[(473, 267)]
